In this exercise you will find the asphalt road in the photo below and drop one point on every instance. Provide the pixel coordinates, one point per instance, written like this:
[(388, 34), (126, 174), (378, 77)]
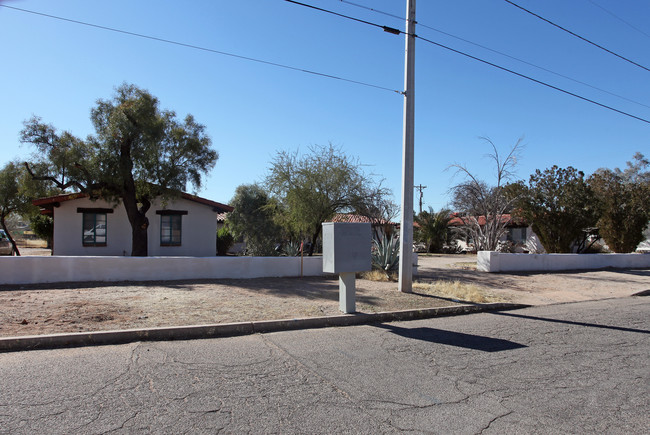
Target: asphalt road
[(572, 368)]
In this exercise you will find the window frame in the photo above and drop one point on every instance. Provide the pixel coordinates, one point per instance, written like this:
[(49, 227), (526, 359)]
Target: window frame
[(173, 217), (94, 214)]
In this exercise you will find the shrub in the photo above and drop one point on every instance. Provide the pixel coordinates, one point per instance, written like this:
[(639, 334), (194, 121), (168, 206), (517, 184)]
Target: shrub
[(225, 240)]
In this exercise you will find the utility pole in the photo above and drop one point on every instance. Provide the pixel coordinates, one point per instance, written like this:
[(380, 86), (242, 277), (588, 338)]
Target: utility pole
[(421, 189), (406, 228)]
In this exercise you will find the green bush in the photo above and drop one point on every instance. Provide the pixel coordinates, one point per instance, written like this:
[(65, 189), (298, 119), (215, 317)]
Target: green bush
[(225, 240)]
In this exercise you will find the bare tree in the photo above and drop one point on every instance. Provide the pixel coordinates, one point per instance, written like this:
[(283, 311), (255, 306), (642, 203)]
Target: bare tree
[(484, 208)]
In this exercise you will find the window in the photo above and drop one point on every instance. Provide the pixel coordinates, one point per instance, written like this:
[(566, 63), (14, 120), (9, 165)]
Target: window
[(170, 229), (94, 229), (517, 235)]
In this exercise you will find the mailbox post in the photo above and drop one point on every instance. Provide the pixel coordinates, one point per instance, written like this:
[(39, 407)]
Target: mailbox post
[(346, 250)]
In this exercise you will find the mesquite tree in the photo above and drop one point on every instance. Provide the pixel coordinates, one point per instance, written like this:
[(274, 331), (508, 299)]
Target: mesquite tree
[(311, 188), (138, 152), (623, 199)]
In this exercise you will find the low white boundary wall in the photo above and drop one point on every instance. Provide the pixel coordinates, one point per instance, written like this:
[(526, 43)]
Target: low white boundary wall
[(34, 270), (490, 261)]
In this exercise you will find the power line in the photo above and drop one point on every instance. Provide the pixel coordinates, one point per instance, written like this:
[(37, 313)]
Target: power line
[(385, 28), (540, 67), (333, 13), (327, 11), (196, 47), (576, 35), (503, 54), (490, 64), (619, 18), (533, 80), (373, 10)]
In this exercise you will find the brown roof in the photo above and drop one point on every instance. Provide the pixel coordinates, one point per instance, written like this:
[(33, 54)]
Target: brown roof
[(52, 201), (358, 219)]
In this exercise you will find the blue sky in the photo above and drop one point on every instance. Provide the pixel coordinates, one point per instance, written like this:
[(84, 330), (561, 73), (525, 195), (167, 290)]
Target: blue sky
[(57, 70)]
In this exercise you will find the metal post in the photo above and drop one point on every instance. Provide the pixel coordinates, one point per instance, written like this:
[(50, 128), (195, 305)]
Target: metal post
[(406, 228), (347, 292)]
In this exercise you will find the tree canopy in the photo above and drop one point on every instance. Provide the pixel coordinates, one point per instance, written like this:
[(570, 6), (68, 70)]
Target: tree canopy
[(559, 204), (253, 219), (313, 187), (138, 152), (623, 198), (16, 193)]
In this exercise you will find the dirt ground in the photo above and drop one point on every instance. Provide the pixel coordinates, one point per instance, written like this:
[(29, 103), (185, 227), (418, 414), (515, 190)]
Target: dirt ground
[(81, 307)]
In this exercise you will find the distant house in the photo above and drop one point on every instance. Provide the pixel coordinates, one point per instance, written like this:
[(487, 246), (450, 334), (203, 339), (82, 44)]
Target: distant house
[(185, 226), (517, 231)]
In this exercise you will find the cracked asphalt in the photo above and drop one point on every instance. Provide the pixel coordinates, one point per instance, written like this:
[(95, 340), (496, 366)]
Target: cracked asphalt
[(569, 368)]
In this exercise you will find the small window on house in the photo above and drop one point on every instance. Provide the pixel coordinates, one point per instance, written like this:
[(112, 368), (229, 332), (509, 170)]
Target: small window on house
[(170, 229), (94, 229), (517, 235)]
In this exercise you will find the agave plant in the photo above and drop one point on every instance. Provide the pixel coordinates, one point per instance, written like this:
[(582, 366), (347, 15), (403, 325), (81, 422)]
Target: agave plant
[(291, 249), (385, 253)]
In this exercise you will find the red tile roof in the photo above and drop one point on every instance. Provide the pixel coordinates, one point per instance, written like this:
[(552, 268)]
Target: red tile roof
[(356, 218)]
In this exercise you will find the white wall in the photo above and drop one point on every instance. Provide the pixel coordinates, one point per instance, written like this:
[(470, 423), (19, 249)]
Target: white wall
[(34, 270), (199, 230), (490, 261), (68, 230)]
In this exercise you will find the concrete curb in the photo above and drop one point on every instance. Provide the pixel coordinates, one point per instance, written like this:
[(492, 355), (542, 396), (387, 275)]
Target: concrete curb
[(102, 338)]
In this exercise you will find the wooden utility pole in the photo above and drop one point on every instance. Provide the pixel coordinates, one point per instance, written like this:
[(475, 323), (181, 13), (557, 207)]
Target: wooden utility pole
[(406, 228), (421, 188)]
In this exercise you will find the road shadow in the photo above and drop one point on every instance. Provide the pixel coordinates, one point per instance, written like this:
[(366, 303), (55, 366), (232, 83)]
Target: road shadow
[(452, 338), (571, 322)]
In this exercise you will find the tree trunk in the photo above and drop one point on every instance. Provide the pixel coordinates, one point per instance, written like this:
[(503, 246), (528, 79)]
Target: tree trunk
[(137, 216), (314, 239), (139, 224), (139, 237), (11, 239)]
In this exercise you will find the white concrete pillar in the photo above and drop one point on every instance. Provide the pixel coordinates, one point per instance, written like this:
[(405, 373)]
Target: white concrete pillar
[(347, 292)]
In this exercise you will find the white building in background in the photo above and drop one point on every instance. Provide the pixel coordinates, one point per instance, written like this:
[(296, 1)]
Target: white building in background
[(518, 232)]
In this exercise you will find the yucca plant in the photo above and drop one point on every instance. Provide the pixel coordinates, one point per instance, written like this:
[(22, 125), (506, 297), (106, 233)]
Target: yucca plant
[(385, 253)]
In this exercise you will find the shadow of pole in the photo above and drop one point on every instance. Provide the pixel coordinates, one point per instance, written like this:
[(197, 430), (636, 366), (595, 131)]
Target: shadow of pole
[(451, 338)]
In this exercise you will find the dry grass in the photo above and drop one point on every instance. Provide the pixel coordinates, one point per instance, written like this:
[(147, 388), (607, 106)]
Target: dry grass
[(465, 265), (458, 291), (378, 276), (31, 243), (454, 290)]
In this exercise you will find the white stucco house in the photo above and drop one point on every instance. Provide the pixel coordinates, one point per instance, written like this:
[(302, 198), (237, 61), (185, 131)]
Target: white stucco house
[(185, 226)]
